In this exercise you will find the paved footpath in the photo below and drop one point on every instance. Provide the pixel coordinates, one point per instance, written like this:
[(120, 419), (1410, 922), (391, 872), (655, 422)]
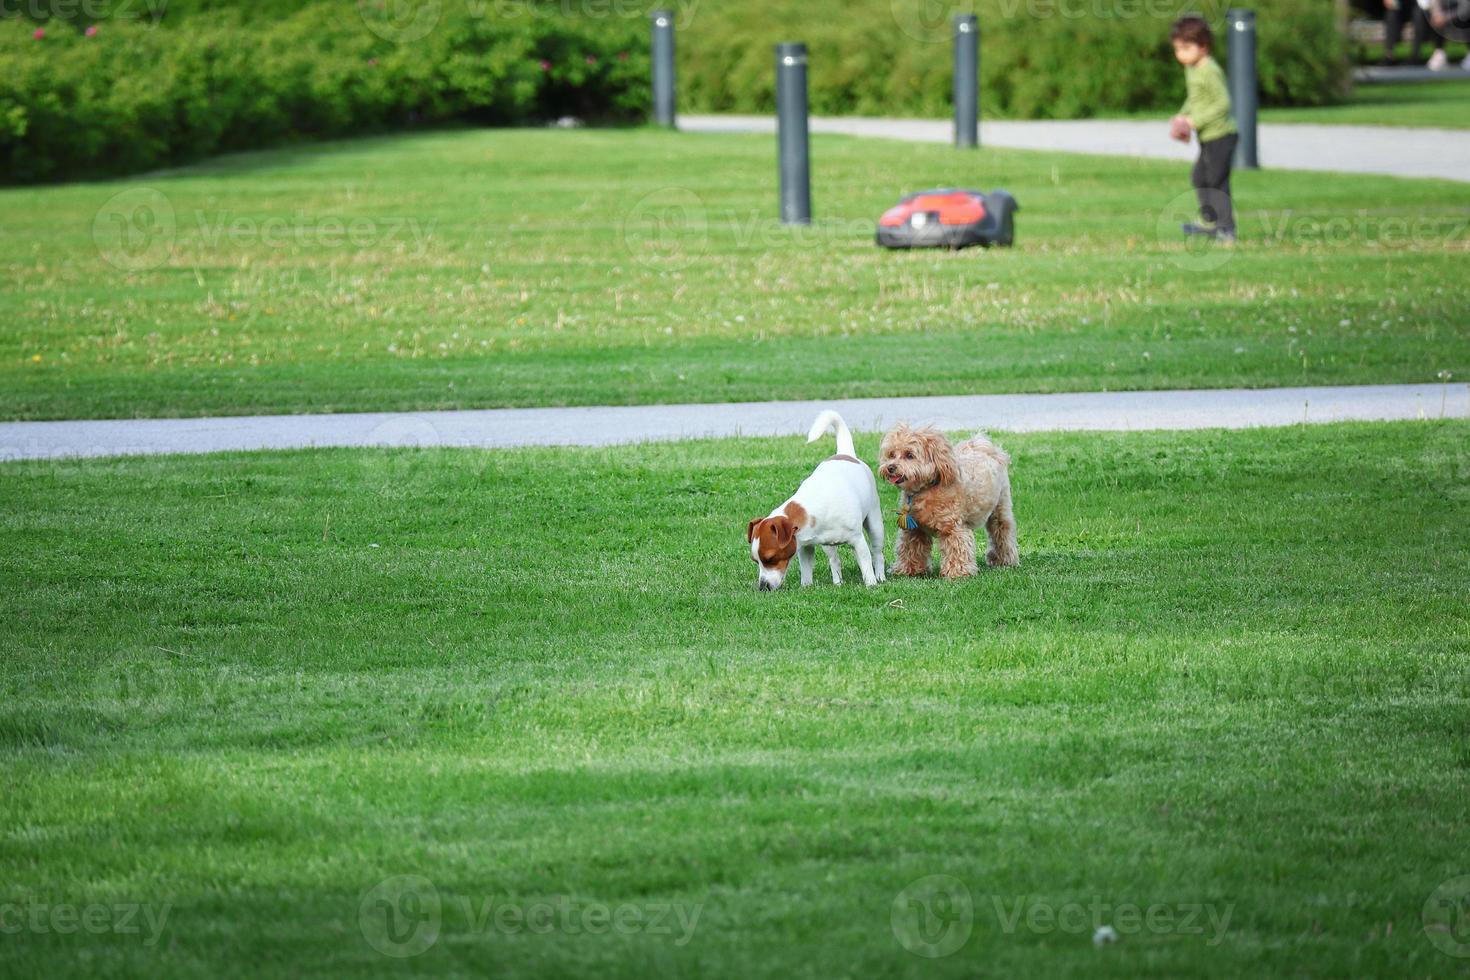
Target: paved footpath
[(497, 428), (1398, 151)]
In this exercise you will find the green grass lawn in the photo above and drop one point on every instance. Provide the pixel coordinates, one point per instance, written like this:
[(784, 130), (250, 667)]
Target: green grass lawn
[(1439, 103), (1232, 673), (485, 268)]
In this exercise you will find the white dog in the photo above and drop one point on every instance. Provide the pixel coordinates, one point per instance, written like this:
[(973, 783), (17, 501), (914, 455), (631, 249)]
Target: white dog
[(832, 507)]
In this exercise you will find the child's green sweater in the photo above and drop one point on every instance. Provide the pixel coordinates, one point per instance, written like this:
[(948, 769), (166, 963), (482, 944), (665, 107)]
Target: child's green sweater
[(1207, 100)]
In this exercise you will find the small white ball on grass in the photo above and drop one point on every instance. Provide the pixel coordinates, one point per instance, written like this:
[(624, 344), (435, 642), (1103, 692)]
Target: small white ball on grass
[(1104, 935)]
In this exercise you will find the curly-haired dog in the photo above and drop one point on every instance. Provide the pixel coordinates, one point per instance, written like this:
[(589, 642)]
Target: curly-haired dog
[(948, 491)]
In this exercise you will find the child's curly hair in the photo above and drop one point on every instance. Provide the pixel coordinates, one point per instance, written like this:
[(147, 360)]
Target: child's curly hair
[(1192, 29)]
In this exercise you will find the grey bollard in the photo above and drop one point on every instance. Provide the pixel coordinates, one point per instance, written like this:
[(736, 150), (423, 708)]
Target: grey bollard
[(966, 80), (1244, 89), (663, 67), (791, 134)]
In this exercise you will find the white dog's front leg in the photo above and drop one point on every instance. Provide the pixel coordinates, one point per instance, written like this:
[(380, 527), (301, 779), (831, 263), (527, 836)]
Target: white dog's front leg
[(865, 558), (834, 561), (804, 555)]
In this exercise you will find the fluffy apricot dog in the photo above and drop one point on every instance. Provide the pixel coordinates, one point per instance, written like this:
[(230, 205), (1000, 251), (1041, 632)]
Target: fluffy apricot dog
[(947, 491)]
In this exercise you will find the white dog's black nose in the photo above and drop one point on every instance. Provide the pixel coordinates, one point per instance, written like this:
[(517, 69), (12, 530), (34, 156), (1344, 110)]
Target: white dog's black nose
[(762, 585)]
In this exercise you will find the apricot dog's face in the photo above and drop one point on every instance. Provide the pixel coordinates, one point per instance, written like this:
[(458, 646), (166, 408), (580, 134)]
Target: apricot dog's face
[(772, 543), (914, 459)]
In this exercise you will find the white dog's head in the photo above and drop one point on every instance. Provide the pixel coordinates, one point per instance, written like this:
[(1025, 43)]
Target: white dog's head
[(772, 543)]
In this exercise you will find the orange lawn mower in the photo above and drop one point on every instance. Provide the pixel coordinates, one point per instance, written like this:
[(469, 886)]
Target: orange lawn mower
[(949, 218)]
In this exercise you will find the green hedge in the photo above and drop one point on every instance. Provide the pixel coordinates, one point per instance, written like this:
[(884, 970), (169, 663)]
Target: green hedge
[(1038, 59), (219, 75), (132, 96)]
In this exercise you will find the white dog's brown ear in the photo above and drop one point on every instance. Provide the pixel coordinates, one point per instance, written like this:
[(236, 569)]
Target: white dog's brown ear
[(750, 528)]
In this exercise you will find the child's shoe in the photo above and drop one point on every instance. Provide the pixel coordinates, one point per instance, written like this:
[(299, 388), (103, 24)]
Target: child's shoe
[(1438, 61), (1192, 229)]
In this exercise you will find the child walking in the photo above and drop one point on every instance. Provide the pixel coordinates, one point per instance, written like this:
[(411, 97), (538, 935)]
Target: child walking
[(1206, 112)]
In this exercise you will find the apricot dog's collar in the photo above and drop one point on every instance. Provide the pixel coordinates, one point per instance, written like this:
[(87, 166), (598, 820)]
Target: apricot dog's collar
[(906, 521)]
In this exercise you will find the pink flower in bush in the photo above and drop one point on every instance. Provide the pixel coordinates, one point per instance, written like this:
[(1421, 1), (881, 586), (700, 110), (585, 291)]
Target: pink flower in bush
[(40, 33), (622, 56), (91, 31), (545, 65), (373, 61), (591, 60)]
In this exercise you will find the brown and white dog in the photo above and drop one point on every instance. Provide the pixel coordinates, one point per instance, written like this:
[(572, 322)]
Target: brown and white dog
[(948, 491), (832, 507)]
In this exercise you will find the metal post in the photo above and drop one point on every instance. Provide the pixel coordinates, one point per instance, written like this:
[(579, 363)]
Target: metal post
[(966, 80), (663, 67), (791, 134), (1243, 86)]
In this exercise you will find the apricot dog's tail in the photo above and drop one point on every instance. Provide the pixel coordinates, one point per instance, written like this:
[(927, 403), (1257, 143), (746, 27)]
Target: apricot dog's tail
[(830, 421)]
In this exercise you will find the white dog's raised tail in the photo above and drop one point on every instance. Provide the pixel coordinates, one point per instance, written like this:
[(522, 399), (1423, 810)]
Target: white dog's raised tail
[(830, 421)]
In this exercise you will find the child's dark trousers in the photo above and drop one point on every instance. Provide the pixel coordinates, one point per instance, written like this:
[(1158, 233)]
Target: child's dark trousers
[(1211, 177)]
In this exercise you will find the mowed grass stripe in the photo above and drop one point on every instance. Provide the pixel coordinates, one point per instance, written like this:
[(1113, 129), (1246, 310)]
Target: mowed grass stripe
[(483, 268), (1231, 670)]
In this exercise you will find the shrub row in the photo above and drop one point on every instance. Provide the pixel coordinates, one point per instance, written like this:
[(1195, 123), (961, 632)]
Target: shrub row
[(129, 96), (217, 75), (1038, 58)]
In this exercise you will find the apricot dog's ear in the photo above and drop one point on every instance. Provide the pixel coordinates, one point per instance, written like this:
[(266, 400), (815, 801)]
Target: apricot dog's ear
[(750, 528), (941, 457)]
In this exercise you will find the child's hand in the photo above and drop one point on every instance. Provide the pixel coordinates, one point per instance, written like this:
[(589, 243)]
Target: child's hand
[(1180, 129)]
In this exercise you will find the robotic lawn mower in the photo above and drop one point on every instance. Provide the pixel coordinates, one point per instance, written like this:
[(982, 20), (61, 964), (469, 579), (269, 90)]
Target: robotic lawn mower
[(949, 219)]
